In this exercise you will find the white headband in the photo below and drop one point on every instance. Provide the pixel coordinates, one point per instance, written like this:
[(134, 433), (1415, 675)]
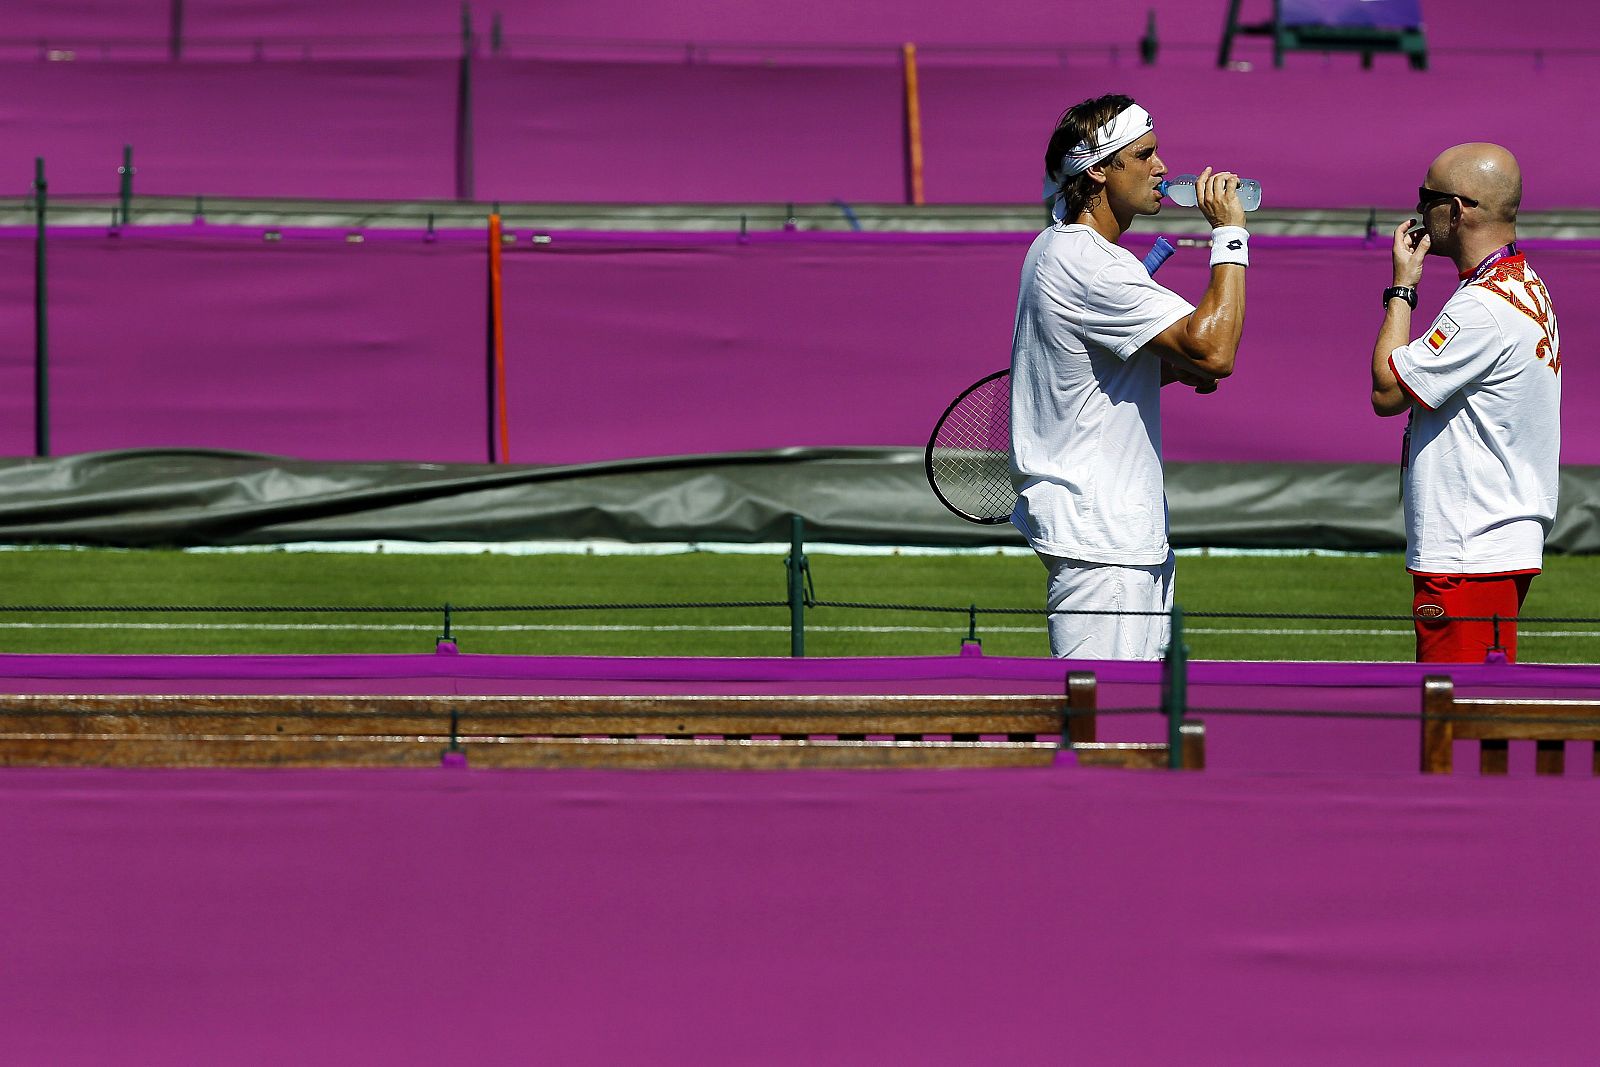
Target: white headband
[(1130, 124)]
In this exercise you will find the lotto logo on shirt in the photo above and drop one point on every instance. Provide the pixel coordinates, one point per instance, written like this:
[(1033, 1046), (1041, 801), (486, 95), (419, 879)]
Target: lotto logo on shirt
[(1442, 332)]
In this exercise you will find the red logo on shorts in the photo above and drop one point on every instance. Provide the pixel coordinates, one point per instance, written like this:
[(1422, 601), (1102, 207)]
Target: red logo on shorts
[(1430, 611)]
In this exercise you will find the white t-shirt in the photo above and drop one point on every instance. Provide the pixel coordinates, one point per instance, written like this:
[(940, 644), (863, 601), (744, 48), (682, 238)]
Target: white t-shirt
[(1086, 402), (1484, 461)]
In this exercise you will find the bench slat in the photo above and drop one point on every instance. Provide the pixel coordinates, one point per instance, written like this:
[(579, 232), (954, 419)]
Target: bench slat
[(396, 704), (425, 751)]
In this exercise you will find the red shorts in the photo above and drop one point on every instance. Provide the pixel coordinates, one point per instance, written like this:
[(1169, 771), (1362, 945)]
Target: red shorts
[(1441, 640)]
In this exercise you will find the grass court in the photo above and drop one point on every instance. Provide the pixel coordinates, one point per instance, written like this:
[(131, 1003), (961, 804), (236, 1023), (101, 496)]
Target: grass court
[(1288, 584)]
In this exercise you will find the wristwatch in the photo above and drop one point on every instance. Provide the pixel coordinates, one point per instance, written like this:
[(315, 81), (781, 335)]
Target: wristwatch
[(1407, 293)]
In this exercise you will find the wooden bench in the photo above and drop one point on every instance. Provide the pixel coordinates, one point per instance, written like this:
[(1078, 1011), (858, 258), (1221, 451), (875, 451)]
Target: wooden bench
[(1495, 722), (877, 730)]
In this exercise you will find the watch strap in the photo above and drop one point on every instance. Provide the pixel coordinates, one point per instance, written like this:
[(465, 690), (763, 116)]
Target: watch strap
[(1408, 293)]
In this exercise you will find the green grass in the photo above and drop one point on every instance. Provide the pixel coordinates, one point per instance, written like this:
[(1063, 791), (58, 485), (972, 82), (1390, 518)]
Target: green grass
[(1279, 584)]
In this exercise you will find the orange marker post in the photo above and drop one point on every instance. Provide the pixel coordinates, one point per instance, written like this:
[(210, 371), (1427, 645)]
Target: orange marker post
[(908, 61), (500, 433)]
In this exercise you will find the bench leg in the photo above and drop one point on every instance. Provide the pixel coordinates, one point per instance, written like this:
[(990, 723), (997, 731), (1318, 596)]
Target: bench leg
[(1551, 758), (1492, 757)]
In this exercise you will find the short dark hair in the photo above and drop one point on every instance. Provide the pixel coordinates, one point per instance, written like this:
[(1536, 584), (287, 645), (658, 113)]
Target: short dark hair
[(1080, 123)]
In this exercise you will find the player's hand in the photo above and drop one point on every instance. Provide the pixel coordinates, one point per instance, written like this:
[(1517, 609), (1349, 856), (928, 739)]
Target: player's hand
[(1217, 197), (1198, 382), (1409, 254)]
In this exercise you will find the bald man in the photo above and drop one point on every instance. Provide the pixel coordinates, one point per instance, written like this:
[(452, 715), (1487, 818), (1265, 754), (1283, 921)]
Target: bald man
[(1482, 385)]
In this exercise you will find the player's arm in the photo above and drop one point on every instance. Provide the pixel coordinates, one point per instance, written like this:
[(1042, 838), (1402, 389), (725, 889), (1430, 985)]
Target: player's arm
[(1388, 397), (1203, 343)]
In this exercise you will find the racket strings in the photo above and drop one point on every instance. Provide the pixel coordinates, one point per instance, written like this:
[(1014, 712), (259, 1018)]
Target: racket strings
[(970, 456)]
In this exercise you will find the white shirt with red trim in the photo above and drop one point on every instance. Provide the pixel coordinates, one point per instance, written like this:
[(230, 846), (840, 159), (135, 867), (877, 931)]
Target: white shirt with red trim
[(1086, 401), (1482, 468)]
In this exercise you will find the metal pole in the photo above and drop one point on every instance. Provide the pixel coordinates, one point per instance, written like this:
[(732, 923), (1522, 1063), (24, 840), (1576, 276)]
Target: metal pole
[(41, 324), (125, 184), (1149, 44), (446, 642), (464, 150), (175, 31), (1175, 689), (796, 565)]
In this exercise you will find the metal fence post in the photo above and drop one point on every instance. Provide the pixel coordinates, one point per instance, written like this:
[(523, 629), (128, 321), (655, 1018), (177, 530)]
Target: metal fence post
[(972, 644), (1175, 689), (446, 642), (41, 323), (125, 184), (795, 564)]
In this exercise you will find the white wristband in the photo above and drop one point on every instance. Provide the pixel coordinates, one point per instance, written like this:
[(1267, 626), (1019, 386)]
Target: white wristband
[(1230, 244)]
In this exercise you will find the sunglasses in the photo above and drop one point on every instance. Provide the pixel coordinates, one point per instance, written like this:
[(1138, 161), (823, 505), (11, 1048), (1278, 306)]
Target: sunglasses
[(1426, 196)]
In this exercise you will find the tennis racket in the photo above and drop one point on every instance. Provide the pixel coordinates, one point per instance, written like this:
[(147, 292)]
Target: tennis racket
[(968, 458)]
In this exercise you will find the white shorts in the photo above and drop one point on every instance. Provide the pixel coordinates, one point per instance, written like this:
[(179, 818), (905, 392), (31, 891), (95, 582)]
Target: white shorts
[(1075, 585)]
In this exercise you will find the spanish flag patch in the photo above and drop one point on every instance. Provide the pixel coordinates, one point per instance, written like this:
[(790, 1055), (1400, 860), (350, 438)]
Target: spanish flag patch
[(1443, 330)]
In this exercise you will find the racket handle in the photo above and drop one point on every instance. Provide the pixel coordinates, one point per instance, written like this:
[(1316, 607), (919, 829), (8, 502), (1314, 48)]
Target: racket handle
[(1158, 254)]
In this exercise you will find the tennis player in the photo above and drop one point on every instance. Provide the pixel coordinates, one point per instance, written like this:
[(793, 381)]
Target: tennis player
[(1483, 389), (1095, 340)]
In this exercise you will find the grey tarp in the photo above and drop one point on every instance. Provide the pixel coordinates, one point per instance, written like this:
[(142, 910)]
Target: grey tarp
[(872, 496)]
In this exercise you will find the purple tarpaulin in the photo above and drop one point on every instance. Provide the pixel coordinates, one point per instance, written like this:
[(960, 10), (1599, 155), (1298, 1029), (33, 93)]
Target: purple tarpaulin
[(710, 348), (650, 345), (323, 349), (42, 19), (1458, 24), (555, 131), (350, 129), (431, 24), (599, 131), (1304, 133), (583, 917), (17, 352)]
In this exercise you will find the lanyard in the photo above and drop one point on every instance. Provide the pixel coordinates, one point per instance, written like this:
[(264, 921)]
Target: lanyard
[(1503, 252)]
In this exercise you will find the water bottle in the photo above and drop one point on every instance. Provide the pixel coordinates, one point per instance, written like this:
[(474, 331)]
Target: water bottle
[(1182, 192)]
